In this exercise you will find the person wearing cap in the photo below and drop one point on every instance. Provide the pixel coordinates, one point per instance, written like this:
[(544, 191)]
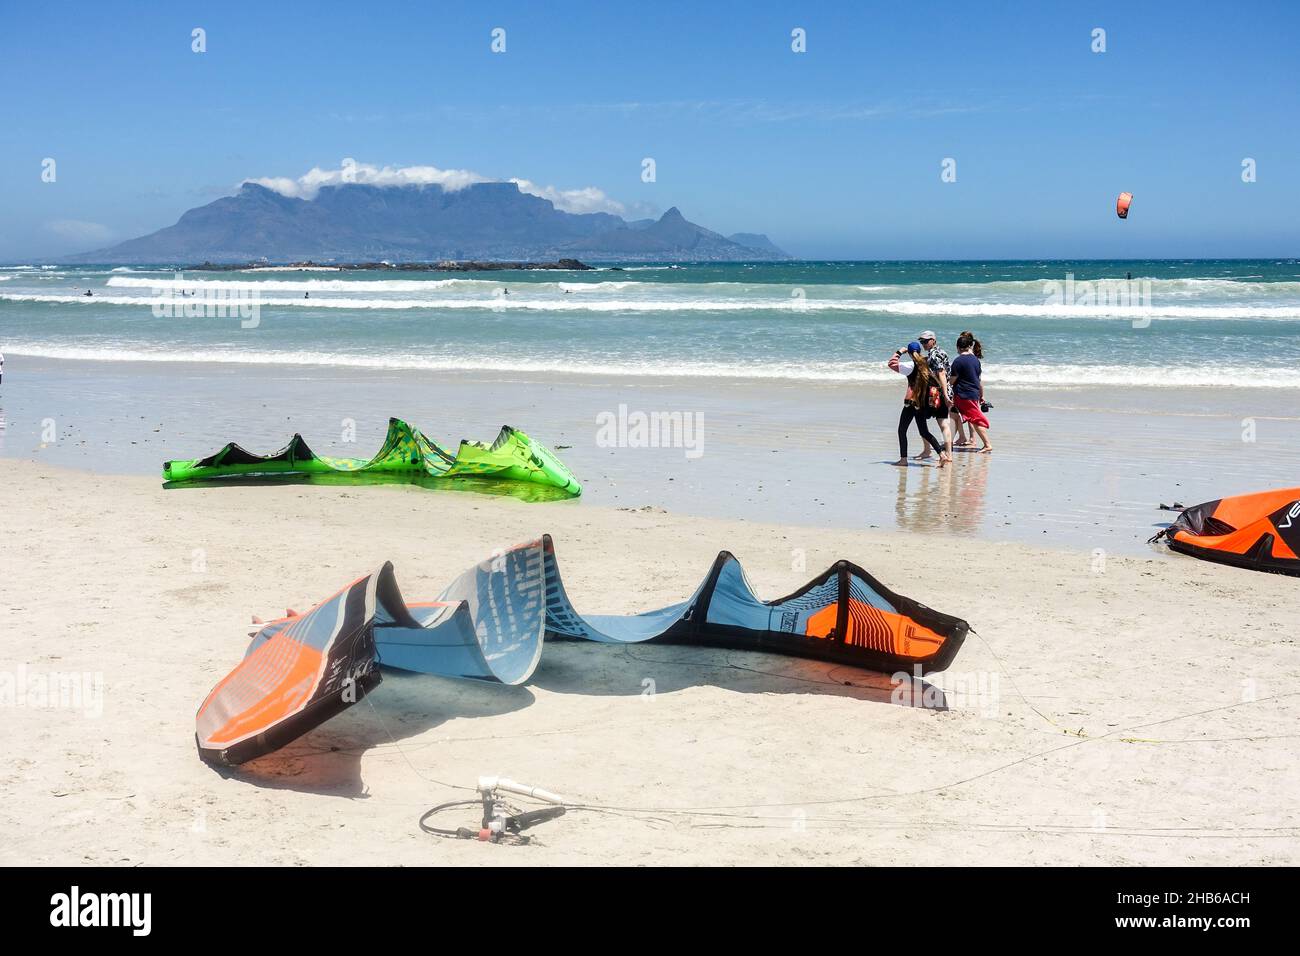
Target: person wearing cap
[(941, 369), (915, 402)]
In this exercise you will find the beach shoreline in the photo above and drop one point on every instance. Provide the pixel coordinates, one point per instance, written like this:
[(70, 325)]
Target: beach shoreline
[(1119, 712)]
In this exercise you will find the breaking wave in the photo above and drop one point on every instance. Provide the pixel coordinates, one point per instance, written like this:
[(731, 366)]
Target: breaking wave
[(1005, 376), (518, 302)]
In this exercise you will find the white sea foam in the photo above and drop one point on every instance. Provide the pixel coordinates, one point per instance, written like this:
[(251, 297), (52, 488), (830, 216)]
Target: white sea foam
[(302, 285), (1237, 286), (1005, 377), (1067, 311), (291, 269), (518, 302), (606, 286), (1031, 290)]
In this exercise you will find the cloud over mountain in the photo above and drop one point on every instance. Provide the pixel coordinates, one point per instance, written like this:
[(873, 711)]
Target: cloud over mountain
[(582, 200)]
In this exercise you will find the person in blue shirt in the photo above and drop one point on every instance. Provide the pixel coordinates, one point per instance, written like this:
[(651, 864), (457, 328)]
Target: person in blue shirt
[(968, 387)]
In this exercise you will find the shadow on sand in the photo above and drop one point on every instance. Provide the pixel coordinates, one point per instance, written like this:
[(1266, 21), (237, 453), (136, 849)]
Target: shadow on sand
[(576, 667), (327, 761), (499, 487)]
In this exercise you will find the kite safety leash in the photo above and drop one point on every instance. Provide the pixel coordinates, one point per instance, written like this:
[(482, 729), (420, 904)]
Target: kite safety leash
[(501, 823)]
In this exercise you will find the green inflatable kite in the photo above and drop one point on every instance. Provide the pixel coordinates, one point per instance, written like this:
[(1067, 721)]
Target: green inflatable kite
[(406, 454)]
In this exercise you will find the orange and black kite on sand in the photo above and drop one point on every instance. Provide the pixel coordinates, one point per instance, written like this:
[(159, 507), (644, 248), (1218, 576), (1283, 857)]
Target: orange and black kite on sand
[(491, 622), (1259, 531)]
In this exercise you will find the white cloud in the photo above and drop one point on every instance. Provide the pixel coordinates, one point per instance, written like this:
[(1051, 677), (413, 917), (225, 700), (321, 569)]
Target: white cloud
[(77, 230), (350, 171), (280, 184), (587, 199)]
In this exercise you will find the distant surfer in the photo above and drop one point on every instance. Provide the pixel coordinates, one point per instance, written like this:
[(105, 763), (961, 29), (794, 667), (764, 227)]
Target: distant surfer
[(88, 292), (1128, 276), (306, 295)]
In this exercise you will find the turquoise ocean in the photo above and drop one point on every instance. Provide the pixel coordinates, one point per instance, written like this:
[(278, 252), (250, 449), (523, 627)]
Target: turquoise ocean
[(1045, 324)]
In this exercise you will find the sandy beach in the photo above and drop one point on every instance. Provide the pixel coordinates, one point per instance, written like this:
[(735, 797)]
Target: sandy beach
[(1111, 709), (1115, 705)]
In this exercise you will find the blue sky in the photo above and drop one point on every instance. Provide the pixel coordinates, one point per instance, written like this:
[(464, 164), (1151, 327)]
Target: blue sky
[(834, 153)]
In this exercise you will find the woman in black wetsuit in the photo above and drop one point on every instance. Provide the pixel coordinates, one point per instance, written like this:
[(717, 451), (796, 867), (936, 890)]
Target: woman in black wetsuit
[(916, 403)]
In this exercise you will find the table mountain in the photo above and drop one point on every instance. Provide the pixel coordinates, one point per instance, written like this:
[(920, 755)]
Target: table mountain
[(361, 222)]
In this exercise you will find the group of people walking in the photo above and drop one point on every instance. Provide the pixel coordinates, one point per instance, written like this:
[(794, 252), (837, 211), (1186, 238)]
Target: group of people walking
[(950, 392)]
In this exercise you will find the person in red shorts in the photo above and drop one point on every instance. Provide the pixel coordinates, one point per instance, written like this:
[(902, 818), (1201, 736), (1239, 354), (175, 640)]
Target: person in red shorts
[(968, 387)]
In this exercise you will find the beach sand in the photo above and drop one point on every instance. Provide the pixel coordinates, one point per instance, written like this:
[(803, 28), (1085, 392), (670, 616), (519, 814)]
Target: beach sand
[(1111, 709)]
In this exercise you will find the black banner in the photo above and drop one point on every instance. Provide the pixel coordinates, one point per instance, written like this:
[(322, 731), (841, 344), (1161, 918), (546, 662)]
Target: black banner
[(1007, 904)]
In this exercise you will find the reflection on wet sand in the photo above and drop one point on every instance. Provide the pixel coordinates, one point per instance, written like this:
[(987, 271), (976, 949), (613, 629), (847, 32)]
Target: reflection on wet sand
[(948, 500)]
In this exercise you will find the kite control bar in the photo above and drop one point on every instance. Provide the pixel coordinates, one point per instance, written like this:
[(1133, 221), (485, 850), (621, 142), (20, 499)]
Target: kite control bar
[(500, 823)]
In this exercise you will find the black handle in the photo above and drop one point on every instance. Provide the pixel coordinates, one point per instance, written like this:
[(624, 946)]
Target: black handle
[(523, 821)]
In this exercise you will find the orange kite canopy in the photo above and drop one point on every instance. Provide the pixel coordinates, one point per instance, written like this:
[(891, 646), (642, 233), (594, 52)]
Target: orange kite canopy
[(1122, 203), (1260, 531)]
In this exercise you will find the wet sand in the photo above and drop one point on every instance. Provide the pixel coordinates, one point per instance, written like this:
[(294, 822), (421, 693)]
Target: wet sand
[(1083, 468)]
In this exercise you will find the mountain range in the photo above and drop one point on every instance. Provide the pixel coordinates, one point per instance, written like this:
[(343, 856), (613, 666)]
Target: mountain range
[(420, 223)]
